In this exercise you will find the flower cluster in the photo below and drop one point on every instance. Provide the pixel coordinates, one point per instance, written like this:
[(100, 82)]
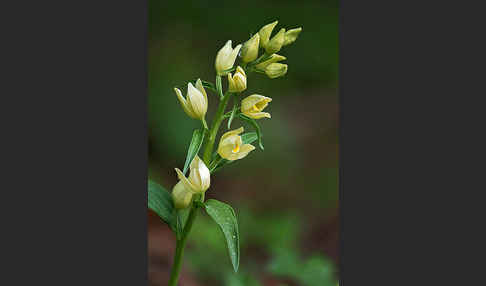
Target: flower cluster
[(231, 145)]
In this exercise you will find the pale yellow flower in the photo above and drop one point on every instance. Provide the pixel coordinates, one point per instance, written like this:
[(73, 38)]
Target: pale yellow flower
[(196, 103), (265, 33), (237, 82), (249, 50), (253, 105), (181, 196), (199, 177), (291, 35), (276, 43), (276, 70), (225, 59), (273, 59), (231, 146)]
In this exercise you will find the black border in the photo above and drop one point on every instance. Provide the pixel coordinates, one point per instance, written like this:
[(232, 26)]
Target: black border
[(67, 158), (75, 193)]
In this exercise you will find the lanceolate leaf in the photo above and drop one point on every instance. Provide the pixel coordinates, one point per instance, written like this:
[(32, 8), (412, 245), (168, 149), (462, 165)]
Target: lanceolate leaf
[(225, 217), (256, 126), (233, 113), (208, 85), (249, 137), (160, 201), (196, 142)]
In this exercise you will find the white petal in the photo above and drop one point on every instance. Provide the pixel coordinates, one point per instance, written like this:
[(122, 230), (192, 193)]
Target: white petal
[(187, 108), (196, 100), (200, 87), (185, 181)]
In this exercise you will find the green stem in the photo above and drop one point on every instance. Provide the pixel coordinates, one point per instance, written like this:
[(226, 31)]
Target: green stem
[(180, 245), (205, 125), (215, 163), (181, 242), (176, 267), (218, 118)]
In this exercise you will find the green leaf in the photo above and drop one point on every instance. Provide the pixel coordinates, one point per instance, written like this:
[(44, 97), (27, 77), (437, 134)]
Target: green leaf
[(196, 143), (225, 217), (256, 126), (206, 84), (233, 113), (249, 137), (209, 85), (219, 87), (160, 201)]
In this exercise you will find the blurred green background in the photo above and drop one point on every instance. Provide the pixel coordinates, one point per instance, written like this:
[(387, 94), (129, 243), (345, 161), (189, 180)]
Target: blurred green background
[(286, 197)]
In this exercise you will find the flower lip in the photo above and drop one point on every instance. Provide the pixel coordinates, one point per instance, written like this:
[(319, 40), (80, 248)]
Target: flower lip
[(231, 146), (253, 105)]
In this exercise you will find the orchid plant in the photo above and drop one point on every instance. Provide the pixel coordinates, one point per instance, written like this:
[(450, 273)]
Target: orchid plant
[(179, 208)]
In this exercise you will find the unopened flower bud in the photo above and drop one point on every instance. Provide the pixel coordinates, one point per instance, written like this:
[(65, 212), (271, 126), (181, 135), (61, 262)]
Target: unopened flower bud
[(276, 70), (196, 103), (253, 105), (273, 59), (231, 146), (249, 50), (237, 82), (265, 33), (291, 35), (225, 59), (199, 178), (181, 196), (276, 43)]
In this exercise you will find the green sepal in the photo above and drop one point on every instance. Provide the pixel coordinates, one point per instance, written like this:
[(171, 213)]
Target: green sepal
[(256, 126)]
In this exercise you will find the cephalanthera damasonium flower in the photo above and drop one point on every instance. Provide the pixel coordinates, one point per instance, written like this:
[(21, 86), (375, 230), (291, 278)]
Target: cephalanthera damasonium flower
[(237, 82), (225, 59), (249, 50), (276, 70), (253, 105), (265, 33), (181, 196), (199, 177), (231, 146), (291, 35), (276, 43), (273, 59), (196, 103)]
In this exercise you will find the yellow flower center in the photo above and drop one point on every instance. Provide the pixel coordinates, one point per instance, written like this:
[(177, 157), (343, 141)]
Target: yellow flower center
[(236, 149), (254, 108)]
